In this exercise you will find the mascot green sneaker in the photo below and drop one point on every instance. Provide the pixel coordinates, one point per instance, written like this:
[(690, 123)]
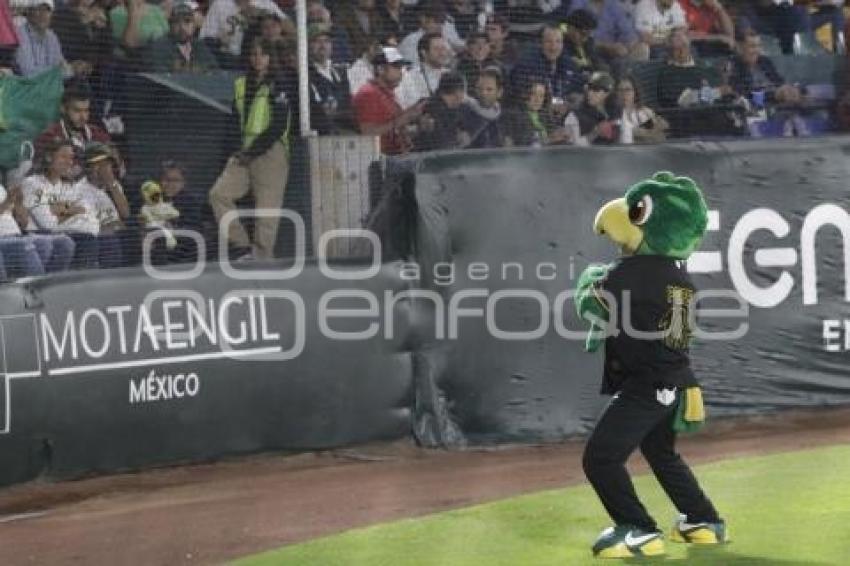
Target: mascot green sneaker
[(699, 533), (626, 541)]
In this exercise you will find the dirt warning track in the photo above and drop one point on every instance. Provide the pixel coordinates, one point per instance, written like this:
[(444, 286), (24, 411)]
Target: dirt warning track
[(204, 514)]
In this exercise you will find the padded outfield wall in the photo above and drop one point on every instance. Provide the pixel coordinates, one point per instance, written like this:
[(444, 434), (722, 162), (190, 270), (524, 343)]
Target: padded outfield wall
[(113, 371), (493, 225), (116, 370)]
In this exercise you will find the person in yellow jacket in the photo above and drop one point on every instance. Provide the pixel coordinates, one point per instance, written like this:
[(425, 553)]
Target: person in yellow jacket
[(261, 165)]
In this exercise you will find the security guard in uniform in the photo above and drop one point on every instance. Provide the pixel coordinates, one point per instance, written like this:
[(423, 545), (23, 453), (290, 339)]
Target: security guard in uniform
[(264, 106)]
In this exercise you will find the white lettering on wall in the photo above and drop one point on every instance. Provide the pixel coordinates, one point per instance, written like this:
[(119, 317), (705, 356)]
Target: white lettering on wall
[(154, 388)]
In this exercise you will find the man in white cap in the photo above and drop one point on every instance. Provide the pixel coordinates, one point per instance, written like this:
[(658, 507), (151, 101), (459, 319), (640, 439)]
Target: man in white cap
[(376, 108)]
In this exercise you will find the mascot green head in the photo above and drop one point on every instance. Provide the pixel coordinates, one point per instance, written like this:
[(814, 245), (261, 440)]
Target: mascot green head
[(665, 215)]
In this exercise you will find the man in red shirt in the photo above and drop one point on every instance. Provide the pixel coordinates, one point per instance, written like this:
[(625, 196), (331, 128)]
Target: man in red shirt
[(378, 113), (709, 27)]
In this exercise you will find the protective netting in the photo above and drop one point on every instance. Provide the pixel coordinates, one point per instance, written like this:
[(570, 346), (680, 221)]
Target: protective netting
[(125, 122)]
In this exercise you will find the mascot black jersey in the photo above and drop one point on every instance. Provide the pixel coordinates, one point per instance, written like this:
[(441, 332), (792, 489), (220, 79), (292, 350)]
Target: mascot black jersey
[(653, 324)]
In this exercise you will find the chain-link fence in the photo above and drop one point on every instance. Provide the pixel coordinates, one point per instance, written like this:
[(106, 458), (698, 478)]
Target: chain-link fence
[(133, 121)]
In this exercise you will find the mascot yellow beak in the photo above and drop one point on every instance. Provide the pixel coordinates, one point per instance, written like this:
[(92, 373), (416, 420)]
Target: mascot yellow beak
[(612, 220)]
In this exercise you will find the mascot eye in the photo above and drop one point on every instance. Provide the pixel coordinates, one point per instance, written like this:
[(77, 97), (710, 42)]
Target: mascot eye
[(640, 212)]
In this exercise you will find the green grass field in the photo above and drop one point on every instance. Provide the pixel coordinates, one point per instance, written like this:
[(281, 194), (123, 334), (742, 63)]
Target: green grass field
[(791, 508)]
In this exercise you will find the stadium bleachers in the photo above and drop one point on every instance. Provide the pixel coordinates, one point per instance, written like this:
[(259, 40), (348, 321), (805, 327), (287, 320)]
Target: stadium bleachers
[(160, 85)]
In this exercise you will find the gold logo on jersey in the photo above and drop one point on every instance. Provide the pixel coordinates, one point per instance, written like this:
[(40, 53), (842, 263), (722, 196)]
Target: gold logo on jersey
[(676, 321)]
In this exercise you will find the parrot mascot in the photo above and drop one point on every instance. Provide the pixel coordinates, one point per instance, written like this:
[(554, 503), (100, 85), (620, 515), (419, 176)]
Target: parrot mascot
[(640, 308)]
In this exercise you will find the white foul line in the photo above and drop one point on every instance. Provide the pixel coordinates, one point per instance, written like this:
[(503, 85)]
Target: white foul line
[(22, 516), (168, 360)]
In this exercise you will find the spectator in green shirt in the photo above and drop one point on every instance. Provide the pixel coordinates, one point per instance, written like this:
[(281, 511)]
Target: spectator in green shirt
[(137, 23)]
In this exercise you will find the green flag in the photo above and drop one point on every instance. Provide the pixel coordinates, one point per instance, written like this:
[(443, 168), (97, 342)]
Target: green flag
[(27, 107)]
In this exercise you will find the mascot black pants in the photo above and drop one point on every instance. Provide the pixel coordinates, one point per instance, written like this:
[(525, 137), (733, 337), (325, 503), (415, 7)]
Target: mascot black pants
[(641, 415)]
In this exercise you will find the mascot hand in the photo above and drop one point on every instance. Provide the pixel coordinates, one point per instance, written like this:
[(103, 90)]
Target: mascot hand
[(588, 299), (591, 306), (595, 337)]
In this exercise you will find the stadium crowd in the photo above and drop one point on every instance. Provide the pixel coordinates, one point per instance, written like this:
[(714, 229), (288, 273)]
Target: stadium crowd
[(421, 74)]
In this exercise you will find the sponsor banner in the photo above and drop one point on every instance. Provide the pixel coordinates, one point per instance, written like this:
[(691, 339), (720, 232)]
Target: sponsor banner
[(115, 369), (505, 233)]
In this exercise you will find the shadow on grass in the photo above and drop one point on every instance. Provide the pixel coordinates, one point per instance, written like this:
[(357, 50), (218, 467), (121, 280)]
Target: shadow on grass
[(725, 555)]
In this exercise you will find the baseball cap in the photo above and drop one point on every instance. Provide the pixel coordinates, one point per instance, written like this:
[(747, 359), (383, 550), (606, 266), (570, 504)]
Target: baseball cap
[(96, 152), (37, 3), (181, 10), (581, 19), (389, 56), (601, 81), (317, 30)]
